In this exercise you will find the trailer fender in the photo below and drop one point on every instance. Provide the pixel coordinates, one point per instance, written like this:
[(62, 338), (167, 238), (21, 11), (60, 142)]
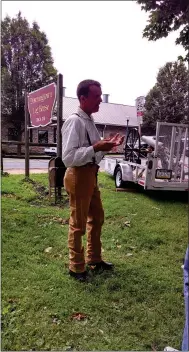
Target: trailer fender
[(127, 171)]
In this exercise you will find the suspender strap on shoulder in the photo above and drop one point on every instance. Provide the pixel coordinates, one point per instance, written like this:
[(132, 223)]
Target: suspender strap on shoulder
[(89, 141)]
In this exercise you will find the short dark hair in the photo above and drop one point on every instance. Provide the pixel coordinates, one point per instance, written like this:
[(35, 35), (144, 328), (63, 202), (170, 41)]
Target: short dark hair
[(84, 86)]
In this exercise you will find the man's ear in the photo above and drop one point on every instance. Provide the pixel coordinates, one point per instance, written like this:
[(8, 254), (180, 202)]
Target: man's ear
[(82, 98)]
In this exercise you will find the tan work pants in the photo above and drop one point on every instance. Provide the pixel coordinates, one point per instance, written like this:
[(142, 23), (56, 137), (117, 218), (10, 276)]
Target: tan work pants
[(86, 214)]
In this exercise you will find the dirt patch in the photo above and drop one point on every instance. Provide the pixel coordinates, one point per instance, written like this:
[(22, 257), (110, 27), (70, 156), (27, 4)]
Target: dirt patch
[(38, 188), (62, 203), (43, 193)]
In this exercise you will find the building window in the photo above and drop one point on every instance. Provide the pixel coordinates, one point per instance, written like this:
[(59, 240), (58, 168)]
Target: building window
[(54, 134), (42, 136), (12, 134)]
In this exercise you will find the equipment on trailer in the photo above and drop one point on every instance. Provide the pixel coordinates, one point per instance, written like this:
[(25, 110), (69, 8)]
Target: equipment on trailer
[(155, 162)]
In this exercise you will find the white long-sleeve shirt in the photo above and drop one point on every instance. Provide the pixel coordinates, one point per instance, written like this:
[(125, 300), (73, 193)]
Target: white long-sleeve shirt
[(76, 150)]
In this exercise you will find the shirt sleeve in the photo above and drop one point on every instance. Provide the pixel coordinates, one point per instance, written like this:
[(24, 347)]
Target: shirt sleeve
[(72, 153)]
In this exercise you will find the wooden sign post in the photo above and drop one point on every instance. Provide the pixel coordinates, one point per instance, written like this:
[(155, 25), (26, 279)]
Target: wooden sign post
[(59, 114), (27, 160), (39, 105)]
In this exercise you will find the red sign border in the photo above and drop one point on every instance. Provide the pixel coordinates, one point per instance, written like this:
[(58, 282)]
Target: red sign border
[(55, 98)]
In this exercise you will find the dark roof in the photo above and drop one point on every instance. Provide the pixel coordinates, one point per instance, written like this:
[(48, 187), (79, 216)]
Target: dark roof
[(108, 114)]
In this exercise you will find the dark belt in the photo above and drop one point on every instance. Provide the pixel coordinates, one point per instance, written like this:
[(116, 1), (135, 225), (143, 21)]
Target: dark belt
[(90, 164)]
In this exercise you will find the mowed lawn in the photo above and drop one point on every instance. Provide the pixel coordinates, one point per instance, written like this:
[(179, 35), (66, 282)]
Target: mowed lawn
[(138, 307)]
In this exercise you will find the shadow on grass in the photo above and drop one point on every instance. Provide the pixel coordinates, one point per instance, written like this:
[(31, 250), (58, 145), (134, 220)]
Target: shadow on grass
[(168, 196), (160, 195)]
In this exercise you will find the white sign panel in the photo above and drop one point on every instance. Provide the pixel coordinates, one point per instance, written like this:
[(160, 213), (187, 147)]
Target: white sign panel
[(140, 101)]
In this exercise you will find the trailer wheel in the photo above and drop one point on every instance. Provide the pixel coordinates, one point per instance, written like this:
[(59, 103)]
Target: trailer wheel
[(119, 183)]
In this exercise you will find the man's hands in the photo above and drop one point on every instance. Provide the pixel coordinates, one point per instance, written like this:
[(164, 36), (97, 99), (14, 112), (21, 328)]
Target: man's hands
[(117, 139), (106, 145)]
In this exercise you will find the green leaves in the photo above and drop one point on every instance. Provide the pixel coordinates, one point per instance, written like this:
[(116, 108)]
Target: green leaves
[(168, 100), (26, 63), (165, 17)]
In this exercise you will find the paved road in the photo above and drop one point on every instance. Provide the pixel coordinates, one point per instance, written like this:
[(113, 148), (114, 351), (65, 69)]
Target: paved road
[(10, 164), (36, 165)]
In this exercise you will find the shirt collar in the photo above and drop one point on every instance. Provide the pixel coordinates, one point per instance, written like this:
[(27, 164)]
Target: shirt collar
[(83, 114)]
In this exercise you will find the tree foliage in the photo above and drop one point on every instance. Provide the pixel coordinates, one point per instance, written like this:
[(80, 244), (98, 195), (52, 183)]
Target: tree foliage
[(26, 64), (167, 101), (167, 16)]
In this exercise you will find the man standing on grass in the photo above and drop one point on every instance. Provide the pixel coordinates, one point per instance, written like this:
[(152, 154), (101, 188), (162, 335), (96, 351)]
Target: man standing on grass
[(82, 151)]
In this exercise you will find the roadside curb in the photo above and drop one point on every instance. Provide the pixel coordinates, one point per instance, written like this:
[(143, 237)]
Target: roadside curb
[(21, 171), (41, 157), (32, 171)]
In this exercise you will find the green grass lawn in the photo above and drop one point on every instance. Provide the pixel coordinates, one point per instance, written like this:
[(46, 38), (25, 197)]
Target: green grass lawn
[(138, 307)]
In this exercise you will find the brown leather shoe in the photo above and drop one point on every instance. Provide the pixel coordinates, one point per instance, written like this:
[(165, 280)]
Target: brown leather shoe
[(101, 266), (82, 277)]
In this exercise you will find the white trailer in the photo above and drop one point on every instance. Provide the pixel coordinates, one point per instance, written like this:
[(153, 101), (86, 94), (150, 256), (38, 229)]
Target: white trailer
[(155, 163)]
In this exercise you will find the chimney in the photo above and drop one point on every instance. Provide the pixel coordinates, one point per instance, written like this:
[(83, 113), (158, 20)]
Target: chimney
[(64, 91), (105, 98)]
